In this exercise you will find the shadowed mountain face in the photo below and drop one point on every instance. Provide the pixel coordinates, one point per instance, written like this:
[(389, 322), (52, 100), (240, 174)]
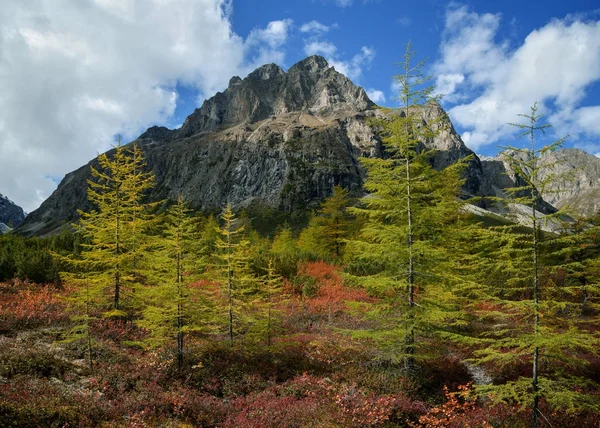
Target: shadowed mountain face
[(278, 140), (10, 214)]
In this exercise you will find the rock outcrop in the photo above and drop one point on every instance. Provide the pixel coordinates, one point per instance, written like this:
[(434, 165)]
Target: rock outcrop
[(574, 180), (11, 215)]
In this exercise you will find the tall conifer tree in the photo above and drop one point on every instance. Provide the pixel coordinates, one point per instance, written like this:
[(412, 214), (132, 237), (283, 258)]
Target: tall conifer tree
[(402, 246), (238, 283), (111, 238), (113, 230), (174, 308), (515, 265)]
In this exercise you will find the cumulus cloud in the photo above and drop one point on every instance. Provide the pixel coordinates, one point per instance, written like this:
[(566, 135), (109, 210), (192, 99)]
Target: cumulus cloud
[(74, 74), (264, 45), (588, 118), (353, 68), (446, 84), (314, 27), (376, 96), (317, 44), (491, 83), (327, 49)]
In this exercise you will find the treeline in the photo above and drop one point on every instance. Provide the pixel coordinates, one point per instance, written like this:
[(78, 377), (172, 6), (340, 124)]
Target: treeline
[(32, 260)]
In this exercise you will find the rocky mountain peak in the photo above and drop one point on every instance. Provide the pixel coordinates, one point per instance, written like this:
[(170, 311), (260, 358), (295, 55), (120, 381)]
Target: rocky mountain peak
[(234, 81), (311, 64), (266, 72), (309, 85), (10, 214)]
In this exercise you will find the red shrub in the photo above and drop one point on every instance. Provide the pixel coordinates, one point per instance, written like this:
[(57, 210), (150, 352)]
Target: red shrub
[(117, 330), (25, 306), (331, 294)]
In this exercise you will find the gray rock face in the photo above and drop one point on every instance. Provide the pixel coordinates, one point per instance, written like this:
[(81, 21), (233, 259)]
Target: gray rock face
[(574, 180), (269, 91), (10, 213)]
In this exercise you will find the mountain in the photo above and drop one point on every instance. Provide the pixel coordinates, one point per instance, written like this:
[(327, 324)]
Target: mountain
[(575, 179), (275, 141), (11, 215)]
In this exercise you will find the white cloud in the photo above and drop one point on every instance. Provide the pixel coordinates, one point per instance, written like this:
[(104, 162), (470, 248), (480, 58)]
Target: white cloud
[(327, 49), (74, 74), (353, 68), (274, 35), (376, 96), (315, 44), (446, 84), (264, 46), (588, 118), (314, 27), (554, 65)]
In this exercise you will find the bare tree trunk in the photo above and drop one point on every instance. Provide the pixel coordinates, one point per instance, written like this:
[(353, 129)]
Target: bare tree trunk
[(179, 315), (230, 287), (87, 322), (117, 254), (536, 320), (410, 335)]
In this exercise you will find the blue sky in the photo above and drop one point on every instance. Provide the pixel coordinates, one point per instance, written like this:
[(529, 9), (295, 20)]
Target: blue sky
[(77, 72)]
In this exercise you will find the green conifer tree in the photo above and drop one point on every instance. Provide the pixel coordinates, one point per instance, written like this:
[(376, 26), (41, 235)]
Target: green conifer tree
[(111, 239), (174, 308), (334, 221), (240, 287), (272, 293), (285, 253), (402, 250), (113, 230), (515, 265)]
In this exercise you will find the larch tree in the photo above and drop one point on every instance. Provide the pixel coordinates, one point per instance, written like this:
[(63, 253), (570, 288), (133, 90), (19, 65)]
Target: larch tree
[(173, 307), (401, 250), (285, 253), (239, 285), (334, 221), (111, 237), (534, 320), (268, 323), (114, 229)]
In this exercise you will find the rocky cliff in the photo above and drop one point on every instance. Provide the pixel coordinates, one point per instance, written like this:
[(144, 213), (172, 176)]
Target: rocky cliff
[(574, 180), (275, 139), (11, 215)]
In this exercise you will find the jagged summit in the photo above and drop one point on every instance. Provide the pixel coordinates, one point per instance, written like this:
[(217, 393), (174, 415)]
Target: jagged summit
[(266, 72), (311, 64), (309, 85)]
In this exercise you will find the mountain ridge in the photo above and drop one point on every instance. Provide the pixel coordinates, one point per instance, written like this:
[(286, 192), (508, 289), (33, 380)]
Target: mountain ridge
[(279, 140)]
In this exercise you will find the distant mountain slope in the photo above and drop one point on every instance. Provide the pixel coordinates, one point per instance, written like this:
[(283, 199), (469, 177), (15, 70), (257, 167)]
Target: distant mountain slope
[(10, 214), (575, 179)]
